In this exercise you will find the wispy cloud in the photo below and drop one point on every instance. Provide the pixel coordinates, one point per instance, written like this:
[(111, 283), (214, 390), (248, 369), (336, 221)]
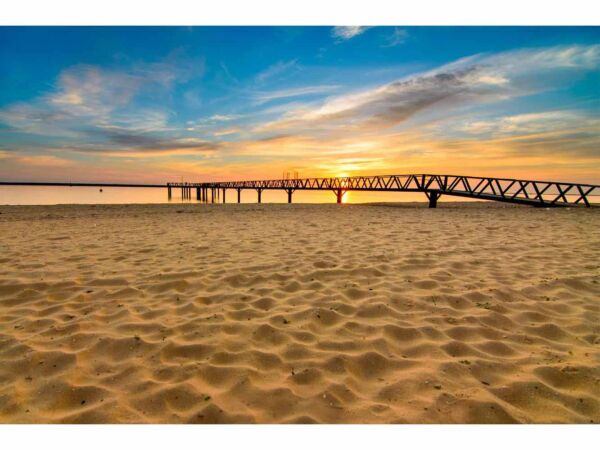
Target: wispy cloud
[(227, 131), (397, 37), (276, 70), (539, 122), (92, 109), (208, 123), (82, 93), (469, 81), (127, 140), (224, 117), (343, 33), (88, 96), (295, 92), (36, 160)]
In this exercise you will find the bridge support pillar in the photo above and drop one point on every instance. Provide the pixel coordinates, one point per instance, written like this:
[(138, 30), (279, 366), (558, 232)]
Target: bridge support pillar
[(259, 195), (339, 194), (433, 198), (169, 193), (289, 193), (239, 194), (223, 195)]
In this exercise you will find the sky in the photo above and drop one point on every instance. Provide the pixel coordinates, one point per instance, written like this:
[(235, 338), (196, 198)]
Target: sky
[(158, 104)]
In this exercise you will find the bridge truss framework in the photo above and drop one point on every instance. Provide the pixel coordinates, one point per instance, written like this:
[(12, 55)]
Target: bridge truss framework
[(525, 192)]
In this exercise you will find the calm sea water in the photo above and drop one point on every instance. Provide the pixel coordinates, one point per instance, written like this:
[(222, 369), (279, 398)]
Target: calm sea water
[(32, 195)]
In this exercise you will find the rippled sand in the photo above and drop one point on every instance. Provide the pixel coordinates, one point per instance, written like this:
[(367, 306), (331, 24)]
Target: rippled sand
[(301, 313)]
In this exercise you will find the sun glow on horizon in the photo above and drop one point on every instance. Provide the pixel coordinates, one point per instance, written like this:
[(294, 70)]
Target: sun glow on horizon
[(157, 116)]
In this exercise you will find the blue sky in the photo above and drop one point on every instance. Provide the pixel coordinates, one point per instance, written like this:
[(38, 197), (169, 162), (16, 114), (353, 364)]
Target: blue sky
[(159, 103)]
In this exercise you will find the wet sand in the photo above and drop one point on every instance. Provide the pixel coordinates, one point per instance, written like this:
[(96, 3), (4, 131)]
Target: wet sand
[(470, 313)]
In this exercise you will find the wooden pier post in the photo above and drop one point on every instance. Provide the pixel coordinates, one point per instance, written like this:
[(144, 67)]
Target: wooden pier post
[(239, 194), (197, 193), (259, 194), (169, 193), (433, 197), (212, 194), (223, 195)]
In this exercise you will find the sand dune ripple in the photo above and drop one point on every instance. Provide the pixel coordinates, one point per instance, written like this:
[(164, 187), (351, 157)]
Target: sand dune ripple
[(299, 314)]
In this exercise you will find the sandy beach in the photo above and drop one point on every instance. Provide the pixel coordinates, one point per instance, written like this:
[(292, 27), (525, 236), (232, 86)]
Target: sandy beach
[(183, 313)]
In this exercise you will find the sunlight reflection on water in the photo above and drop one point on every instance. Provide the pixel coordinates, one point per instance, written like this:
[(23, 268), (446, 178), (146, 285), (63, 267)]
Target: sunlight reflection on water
[(33, 195)]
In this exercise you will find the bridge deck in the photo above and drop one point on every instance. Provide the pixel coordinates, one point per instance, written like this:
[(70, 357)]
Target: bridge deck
[(527, 192)]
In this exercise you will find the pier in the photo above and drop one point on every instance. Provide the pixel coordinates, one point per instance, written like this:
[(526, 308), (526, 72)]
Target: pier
[(524, 192)]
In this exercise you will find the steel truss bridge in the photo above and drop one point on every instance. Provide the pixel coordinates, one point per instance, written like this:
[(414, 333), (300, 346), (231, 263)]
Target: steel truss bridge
[(525, 192)]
